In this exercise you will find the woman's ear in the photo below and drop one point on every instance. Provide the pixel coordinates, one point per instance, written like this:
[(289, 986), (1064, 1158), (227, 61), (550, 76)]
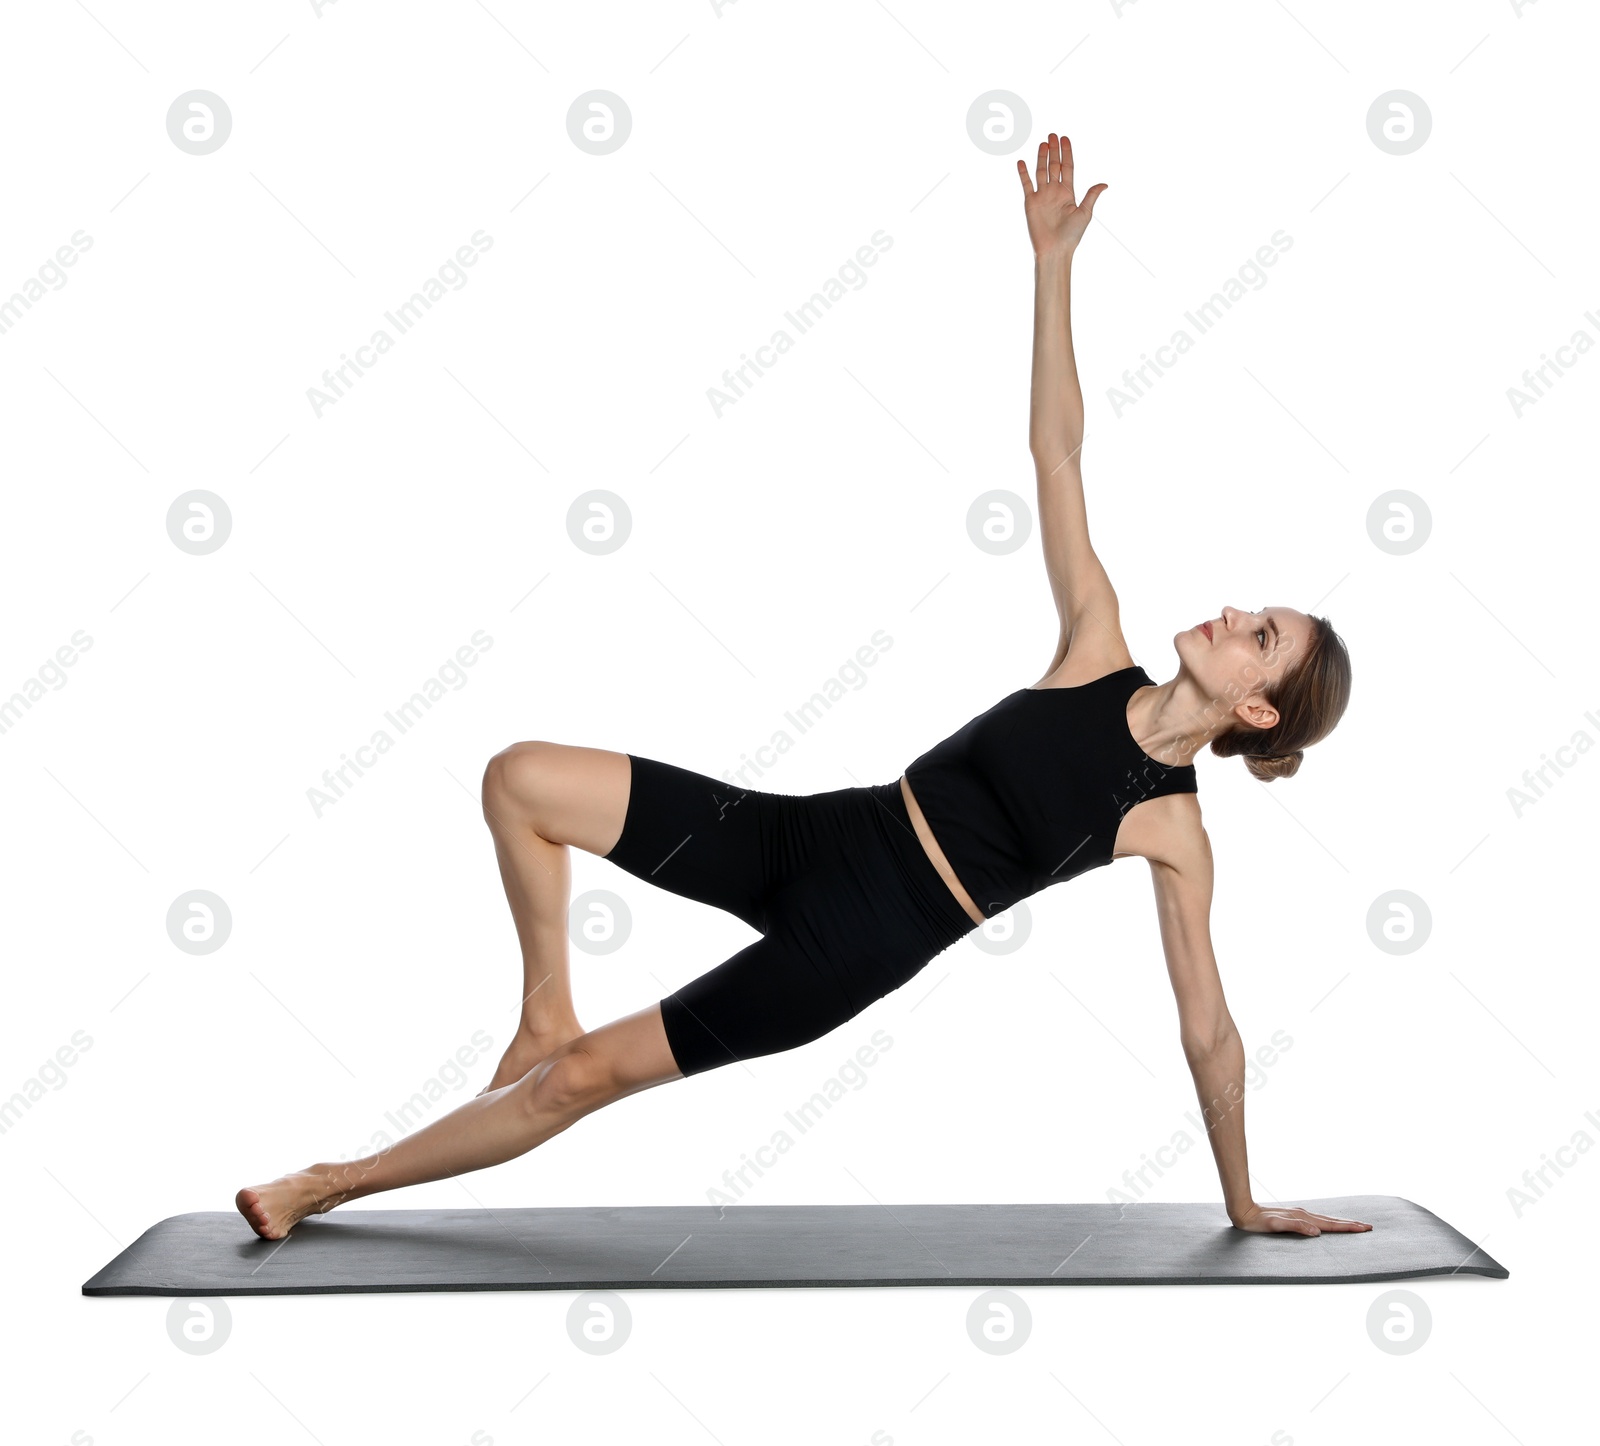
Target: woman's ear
[(1256, 712)]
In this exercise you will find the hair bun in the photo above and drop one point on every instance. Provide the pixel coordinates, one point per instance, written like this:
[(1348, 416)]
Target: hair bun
[(1267, 766)]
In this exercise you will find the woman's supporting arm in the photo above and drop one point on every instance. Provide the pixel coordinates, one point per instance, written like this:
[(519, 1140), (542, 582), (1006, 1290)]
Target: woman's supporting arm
[(1183, 879), (1219, 1082)]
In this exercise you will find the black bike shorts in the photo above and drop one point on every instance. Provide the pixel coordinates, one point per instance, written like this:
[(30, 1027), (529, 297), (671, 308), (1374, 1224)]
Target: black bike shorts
[(848, 902)]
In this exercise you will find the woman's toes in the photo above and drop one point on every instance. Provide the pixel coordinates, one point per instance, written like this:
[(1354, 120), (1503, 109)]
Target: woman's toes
[(271, 1210), (248, 1203)]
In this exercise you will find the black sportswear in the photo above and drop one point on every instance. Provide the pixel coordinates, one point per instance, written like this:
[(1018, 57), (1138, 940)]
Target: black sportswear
[(848, 901), (1031, 792)]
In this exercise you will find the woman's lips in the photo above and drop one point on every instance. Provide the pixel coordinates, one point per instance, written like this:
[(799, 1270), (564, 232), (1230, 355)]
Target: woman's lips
[(1206, 629)]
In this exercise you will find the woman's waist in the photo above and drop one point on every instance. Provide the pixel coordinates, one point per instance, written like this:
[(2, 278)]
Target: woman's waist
[(910, 810)]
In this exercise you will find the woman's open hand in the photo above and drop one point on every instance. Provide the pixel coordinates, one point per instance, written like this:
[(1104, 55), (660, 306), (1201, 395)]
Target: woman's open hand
[(1291, 1220), (1056, 221)]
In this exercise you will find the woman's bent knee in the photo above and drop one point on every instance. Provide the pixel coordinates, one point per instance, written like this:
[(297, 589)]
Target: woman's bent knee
[(512, 777), (572, 1082), (620, 1058), (564, 793)]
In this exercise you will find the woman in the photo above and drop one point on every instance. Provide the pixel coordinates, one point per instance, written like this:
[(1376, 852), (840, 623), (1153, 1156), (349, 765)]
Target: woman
[(856, 889)]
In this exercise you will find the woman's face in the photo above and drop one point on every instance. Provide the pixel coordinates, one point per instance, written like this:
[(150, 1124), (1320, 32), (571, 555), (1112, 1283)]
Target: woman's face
[(1237, 656)]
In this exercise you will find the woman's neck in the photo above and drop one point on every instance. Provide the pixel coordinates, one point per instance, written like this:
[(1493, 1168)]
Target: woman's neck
[(1173, 721)]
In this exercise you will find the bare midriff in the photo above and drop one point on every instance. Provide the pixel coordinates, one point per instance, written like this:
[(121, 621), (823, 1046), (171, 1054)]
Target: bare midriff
[(930, 846)]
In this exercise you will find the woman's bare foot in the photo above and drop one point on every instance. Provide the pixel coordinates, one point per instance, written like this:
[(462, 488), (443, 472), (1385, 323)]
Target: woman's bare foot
[(527, 1049), (274, 1210)]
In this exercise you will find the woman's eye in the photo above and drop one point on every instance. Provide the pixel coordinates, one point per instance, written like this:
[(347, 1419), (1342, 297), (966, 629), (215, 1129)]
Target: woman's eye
[(1261, 634)]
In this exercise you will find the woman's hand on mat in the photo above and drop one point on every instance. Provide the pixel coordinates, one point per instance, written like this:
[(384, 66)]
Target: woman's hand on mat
[(1291, 1220), (1056, 221)]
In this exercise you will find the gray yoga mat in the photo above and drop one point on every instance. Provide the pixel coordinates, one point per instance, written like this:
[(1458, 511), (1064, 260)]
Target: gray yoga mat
[(630, 1248)]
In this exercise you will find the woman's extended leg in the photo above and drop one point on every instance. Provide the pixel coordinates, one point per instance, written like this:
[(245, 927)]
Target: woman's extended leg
[(538, 799), (579, 1077)]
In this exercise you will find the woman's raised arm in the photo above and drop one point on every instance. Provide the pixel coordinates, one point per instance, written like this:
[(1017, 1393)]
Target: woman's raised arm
[(1084, 598)]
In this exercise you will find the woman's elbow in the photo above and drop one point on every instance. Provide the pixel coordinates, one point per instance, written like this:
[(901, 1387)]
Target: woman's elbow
[(1052, 446), (1205, 1038)]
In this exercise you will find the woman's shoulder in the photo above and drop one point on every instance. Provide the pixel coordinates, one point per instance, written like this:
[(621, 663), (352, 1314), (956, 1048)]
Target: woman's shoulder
[(1168, 829), (1087, 662)]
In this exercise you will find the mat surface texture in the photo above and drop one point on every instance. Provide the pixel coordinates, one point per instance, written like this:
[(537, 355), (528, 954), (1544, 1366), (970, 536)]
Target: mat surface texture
[(638, 1247)]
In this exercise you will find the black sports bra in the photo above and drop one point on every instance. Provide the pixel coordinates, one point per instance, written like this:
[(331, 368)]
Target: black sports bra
[(1031, 792)]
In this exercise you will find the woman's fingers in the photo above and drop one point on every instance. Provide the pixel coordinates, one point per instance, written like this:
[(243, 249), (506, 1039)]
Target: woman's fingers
[(1291, 1219), (1334, 1222), (1308, 1222), (1054, 168)]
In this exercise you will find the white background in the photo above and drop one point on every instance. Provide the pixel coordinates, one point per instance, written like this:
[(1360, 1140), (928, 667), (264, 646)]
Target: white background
[(767, 545)]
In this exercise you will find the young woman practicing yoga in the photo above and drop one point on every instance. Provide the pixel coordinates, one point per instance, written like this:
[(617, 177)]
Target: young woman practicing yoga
[(855, 890)]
